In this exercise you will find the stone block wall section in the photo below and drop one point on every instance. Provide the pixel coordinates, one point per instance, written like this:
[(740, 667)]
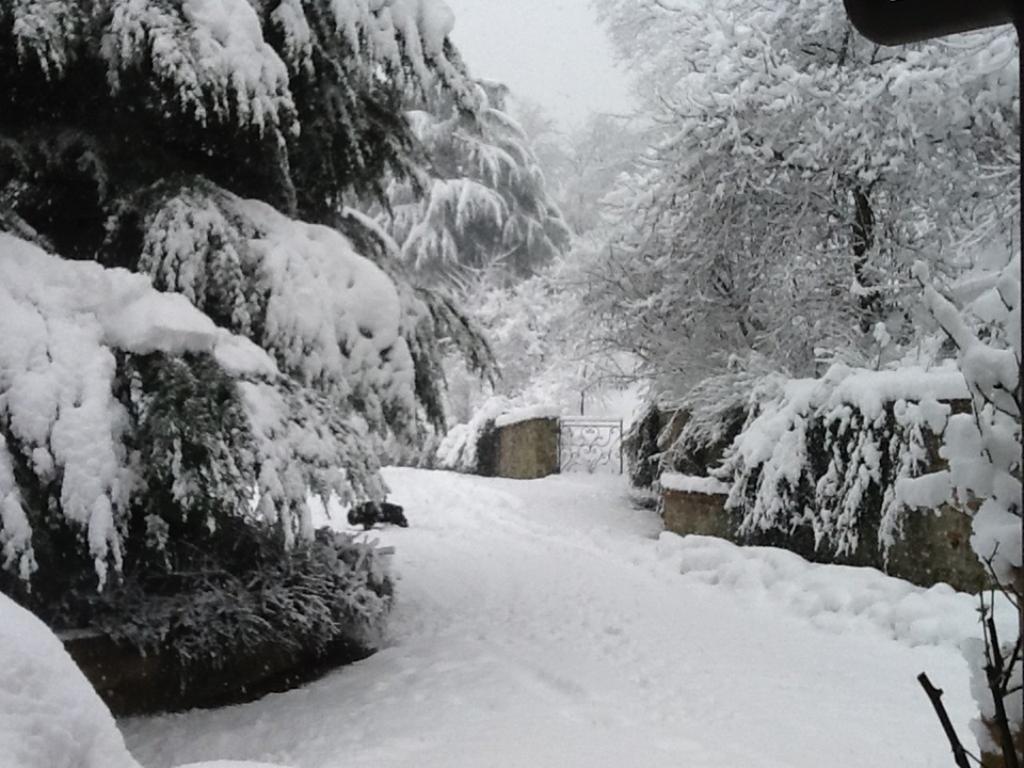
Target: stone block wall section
[(134, 684), (935, 546), (526, 450)]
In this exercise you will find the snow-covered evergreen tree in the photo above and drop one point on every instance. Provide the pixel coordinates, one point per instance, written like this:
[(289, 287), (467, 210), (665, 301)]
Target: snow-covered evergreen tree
[(486, 206), (205, 149)]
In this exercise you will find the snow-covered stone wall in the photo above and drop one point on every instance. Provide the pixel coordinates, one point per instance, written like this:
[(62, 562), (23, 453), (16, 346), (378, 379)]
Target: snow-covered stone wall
[(503, 442), (816, 470), (528, 449), (934, 546)]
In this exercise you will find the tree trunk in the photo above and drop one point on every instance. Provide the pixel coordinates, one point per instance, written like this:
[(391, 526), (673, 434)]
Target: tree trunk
[(863, 241)]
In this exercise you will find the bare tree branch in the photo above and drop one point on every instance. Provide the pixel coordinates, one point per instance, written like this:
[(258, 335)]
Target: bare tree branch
[(935, 695)]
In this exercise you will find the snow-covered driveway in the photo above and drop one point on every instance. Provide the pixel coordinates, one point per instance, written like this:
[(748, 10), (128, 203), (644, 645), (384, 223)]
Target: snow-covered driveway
[(543, 623)]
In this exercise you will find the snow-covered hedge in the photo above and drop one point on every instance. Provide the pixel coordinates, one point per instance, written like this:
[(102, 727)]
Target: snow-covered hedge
[(689, 435), (255, 599), (828, 453), (641, 448)]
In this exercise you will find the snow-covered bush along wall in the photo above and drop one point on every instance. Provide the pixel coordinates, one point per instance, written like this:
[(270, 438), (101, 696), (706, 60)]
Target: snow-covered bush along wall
[(828, 453), (459, 450)]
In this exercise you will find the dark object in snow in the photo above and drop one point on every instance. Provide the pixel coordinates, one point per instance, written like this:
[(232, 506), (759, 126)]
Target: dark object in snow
[(370, 513)]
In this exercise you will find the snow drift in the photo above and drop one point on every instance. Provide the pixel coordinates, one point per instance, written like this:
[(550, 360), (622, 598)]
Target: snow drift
[(50, 716)]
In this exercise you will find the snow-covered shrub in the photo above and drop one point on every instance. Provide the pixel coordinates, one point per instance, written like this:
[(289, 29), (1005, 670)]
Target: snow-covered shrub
[(983, 451), (828, 453), (67, 431), (691, 434), (170, 447), (252, 594), (641, 449), (328, 316), (711, 414)]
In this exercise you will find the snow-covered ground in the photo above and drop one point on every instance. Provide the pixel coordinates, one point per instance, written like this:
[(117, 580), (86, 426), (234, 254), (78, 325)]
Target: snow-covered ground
[(546, 623)]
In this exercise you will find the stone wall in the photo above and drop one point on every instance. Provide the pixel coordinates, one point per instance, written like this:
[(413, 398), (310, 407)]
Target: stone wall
[(698, 513), (527, 449), (131, 684), (935, 546)]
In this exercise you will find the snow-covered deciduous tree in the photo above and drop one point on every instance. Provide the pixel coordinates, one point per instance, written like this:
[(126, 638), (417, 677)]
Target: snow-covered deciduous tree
[(231, 353), (799, 172), (482, 203), (596, 154)]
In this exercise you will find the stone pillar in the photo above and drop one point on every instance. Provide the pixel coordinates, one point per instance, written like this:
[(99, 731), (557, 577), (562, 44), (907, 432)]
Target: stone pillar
[(528, 449)]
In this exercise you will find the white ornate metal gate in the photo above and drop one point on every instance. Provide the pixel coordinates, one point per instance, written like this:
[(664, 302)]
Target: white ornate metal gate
[(590, 445)]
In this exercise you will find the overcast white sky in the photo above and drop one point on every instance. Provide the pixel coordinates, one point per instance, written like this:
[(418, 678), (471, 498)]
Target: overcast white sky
[(549, 51)]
